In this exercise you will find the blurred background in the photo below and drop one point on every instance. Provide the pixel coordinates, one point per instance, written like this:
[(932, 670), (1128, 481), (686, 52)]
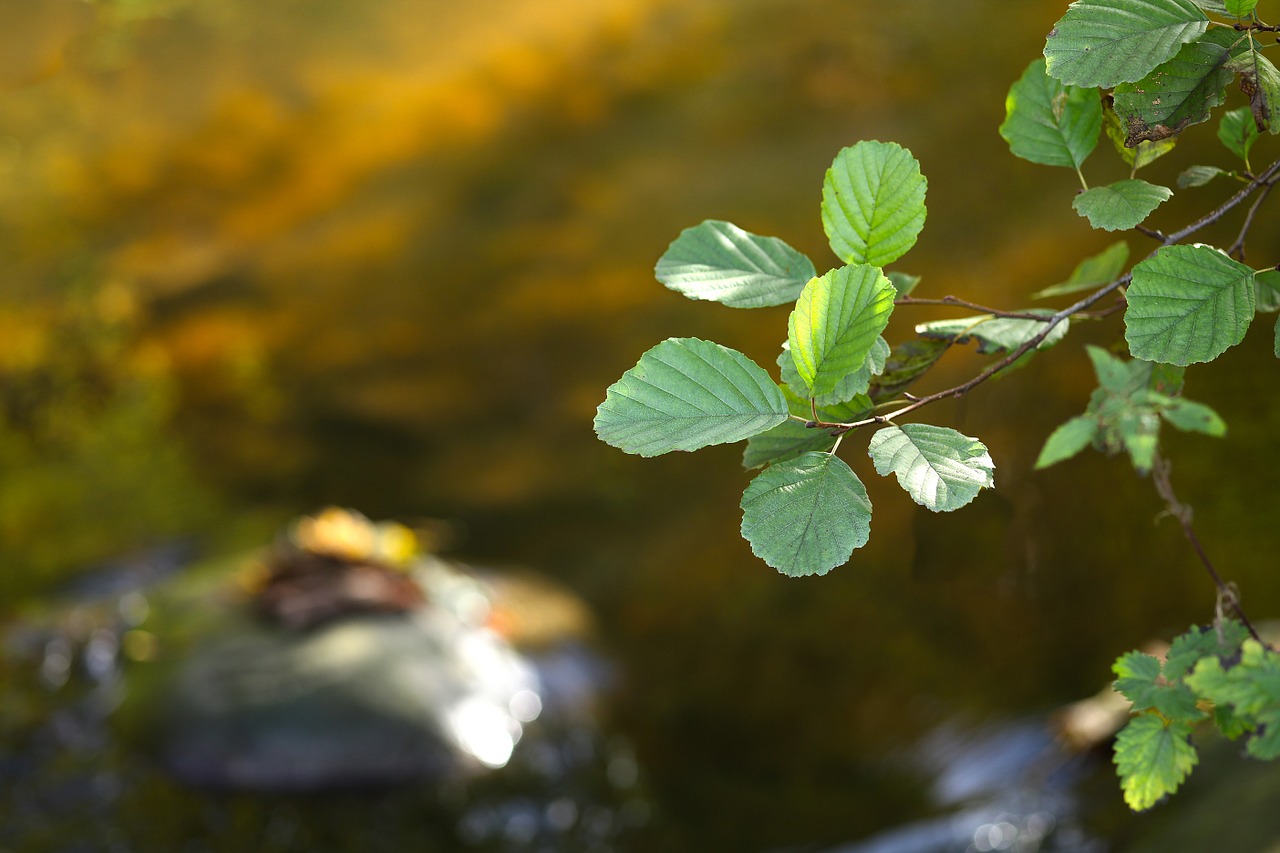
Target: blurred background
[(263, 258)]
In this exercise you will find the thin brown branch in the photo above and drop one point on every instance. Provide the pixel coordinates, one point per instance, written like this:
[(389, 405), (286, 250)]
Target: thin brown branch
[(1182, 512), (1237, 248), (1268, 174), (972, 306)]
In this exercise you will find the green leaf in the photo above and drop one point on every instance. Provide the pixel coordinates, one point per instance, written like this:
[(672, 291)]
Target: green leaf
[(1139, 431), (1266, 285), (1189, 416), (792, 438), (1252, 685), (1188, 304), (1138, 678), (1152, 759), (1174, 96), (853, 385), (1238, 132), (1049, 123), (1241, 8), (907, 362), (1113, 373), (1196, 643), (1091, 273), (1212, 6), (994, 334), (903, 282), (873, 203), (687, 393), (787, 440), (720, 262), (1121, 205), (807, 515), (835, 324), (940, 468), (1105, 42), (1067, 440), (1139, 156), (1198, 176), (1260, 80)]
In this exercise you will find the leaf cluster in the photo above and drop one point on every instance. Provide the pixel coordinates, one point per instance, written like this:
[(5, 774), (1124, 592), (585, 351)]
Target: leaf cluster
[(1216, 674), (807, 511)]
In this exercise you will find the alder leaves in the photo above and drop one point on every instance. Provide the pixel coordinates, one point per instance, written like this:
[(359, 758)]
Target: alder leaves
[(807, 511)]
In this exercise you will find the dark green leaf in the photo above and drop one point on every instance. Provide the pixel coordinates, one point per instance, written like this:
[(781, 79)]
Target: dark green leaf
[(1188, 304), (873, 203), (805, 516), (1067, 440), (940, 468), (1196, 643), (1267, 291), (1277, 344), (687, 393), (907, 362), (1121, 205), (1238, 132), (1178, 94), (1138, 678), (1049, 123), (994, 334), (835, 324), (1152, 759), (1092, 273), (787, 440), (1198, 176), (1105, 42)]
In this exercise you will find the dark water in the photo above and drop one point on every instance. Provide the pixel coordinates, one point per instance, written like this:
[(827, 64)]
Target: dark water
[(389, 255)]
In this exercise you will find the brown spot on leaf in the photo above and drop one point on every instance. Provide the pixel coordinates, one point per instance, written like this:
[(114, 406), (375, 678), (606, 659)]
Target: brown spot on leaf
[(1257, 100), (1140, 131)]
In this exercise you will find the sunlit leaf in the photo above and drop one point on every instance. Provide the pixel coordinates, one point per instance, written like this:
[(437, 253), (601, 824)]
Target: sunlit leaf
[(994, 334), (851, 386), (835, 324), (907, 362), (805, 516), (939, 467), (1188, 304), (1176, 95), (1050, 123), (1121, 205), (1067, 440), (873, 203), (1238, 131), (1152, 759), (1091, 273), (1240, 8), (720, 262), (1104, 42), (1139, 156), (1212, 6), (687, 393), (1198, 176)]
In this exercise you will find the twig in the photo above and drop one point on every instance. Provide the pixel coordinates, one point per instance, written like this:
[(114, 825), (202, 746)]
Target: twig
[(973, 306), (1237, 248), (1182, 512)]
